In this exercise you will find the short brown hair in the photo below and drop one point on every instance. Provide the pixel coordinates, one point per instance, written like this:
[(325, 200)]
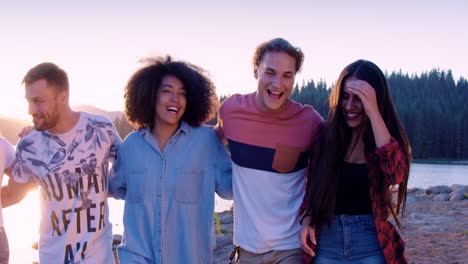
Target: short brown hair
[(53, 74), (278, 45)]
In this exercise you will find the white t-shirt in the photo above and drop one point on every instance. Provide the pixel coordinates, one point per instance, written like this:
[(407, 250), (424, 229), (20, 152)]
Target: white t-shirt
[(71, 169), (7, 156)]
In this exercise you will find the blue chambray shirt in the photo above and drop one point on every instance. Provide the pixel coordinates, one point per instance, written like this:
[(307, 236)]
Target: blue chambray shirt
[(169, 197)]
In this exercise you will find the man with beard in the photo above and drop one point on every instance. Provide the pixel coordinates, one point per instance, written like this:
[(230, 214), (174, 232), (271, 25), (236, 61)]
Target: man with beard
[(68, 155)]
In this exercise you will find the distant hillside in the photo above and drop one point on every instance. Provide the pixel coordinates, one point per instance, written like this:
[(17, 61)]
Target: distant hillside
[(94, 110), (10, 127)]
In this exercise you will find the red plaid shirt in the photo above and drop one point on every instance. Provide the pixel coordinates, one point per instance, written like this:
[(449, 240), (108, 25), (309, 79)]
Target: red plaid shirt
[(390, 160)]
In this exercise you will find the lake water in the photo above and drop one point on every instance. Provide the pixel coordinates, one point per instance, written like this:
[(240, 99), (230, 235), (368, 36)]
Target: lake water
[(22, 220)]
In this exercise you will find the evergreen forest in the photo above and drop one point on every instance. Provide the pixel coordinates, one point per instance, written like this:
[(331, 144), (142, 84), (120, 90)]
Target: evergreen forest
[(432, 107)]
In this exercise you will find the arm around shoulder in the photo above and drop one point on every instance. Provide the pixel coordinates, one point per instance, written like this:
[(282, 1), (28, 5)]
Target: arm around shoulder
[(117, 177), (14, 192), (223, 172)]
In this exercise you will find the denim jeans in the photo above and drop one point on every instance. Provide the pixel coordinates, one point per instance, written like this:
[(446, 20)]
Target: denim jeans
[(4, 249), (288, 256), (350, 239)]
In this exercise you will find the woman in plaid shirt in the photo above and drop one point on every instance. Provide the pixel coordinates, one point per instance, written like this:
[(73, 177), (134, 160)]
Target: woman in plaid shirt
[(364, 151)]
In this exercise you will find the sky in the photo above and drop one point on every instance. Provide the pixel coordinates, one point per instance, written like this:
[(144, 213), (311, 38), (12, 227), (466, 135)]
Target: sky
[(100, 44)]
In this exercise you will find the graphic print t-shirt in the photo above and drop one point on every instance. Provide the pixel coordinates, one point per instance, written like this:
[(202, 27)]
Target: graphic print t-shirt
[(71, 169)]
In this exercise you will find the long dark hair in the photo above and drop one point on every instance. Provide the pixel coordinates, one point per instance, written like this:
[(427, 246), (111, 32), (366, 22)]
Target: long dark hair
[(335, 140)]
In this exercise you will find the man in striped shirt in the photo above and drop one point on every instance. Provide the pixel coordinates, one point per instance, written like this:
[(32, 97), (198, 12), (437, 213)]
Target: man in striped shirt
[(269, 136)]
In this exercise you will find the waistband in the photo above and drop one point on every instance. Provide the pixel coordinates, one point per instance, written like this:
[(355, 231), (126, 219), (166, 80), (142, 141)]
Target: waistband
[(350, 219)]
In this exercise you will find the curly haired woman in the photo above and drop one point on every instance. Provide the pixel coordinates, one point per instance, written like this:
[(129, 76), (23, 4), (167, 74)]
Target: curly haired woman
[(169, 169)]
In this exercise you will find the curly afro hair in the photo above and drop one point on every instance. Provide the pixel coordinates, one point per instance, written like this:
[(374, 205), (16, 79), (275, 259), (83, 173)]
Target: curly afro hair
[(141, 91)]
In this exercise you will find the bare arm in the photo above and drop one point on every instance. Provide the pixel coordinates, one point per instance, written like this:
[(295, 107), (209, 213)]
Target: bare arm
[(14, 192)]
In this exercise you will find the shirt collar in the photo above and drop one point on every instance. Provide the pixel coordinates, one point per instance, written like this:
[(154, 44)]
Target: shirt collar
[(184, 127)]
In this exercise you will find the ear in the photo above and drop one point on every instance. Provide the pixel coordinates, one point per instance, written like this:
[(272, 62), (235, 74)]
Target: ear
[(63, 97), (256, 73)]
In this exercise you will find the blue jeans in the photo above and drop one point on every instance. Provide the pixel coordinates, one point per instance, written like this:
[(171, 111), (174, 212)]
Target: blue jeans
[(350, 239)]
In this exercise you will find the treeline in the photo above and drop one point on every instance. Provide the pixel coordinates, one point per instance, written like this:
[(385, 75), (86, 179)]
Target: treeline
[(431, 107)]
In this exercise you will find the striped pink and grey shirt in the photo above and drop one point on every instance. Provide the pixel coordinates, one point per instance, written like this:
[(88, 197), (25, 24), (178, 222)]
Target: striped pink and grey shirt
[(269, 159)]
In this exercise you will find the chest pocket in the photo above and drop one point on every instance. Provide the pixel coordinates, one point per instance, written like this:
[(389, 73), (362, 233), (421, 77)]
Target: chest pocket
[(286, 158), (136, 187), (189, 185)]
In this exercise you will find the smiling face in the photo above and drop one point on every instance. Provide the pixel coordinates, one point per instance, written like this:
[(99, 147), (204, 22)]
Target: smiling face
[(351, 106), (44, 104), (170, 102), (275, 75)]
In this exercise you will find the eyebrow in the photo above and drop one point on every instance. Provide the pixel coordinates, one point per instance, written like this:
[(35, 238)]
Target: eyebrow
[(166, 85), (271, 69)]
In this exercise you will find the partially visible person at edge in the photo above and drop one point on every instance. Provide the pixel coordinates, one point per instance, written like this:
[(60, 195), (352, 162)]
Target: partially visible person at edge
[(269, 136), (362, 153), (68, 155), (7, 156), (170, 168)]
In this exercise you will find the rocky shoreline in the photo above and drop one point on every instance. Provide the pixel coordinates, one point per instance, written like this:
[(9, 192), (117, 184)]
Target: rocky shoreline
[(435, 227)]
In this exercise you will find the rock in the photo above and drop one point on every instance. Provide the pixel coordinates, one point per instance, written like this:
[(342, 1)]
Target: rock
[(423, 197), (223, 241), (456, 187), (458, 195), (415, 216), (35, 245), (225, 218), (223, 249), (441, 197), (438, 190), (411, 199), (454, 213), (226, 229), (415, 191)]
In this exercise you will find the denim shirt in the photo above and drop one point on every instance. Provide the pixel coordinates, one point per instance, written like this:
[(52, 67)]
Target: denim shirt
[(169, 196)]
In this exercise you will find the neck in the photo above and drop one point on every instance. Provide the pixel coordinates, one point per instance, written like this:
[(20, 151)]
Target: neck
[(162, 133), (355, 152), (67, 120)]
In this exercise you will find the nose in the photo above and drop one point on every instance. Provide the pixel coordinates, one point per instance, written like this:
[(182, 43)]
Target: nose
[(174, 97), (350, 102), (32, 109), (276, 81)]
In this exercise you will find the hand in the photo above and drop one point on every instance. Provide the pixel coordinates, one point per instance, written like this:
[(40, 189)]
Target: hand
[(307, 234), (26, 130), (366, 94)]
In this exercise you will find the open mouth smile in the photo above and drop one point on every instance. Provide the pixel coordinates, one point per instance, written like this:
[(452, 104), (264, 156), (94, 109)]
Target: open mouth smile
[(172, 109), (352, 116), (274, 95)]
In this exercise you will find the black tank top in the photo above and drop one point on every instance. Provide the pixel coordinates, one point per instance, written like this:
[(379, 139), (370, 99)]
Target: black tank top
[(353, 196)]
